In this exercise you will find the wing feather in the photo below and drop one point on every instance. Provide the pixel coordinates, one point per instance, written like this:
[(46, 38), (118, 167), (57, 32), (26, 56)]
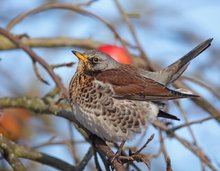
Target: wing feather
[(127, 83)]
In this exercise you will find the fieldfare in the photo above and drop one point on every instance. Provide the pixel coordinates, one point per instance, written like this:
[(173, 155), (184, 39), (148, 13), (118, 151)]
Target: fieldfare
[(115, 101)]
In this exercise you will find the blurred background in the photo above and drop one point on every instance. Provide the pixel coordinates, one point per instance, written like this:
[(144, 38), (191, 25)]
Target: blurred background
[(166, 30)]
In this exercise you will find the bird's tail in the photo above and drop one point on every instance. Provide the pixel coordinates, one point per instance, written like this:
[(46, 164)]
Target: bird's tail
[(163, 114), (173, 71)]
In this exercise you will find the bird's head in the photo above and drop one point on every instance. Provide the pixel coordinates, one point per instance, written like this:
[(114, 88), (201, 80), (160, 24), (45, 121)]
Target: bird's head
[(94, 61)]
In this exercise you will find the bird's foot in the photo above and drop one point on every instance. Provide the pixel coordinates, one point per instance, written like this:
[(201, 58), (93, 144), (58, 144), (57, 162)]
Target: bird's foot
[(118, 153)]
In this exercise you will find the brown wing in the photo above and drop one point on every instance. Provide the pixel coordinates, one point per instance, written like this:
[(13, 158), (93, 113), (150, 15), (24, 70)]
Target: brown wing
[(128, 84)]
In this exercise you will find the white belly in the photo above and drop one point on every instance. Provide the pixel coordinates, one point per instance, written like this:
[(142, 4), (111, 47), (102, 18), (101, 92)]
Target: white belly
[(106, 130)]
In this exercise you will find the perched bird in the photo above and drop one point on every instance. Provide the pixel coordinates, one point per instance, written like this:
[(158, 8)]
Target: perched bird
[(115, 101)]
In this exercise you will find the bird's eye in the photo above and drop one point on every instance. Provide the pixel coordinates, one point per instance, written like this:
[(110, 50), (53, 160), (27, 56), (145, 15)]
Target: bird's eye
[(95, 60)]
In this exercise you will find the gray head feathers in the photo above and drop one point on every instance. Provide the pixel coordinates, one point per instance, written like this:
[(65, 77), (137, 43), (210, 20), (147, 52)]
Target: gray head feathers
[(100, 61)]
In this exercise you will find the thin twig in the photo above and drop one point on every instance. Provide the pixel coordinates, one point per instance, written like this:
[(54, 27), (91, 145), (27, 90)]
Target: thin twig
[(62, 142), (213, 91), (38, 106), (132, 31), (36, 58), (192, 123), (71, 7), (198, 152), (86, 3), (186, 121), (145, 144), (38, 74), (201, 102), (105, 162), (103, 148), (70, 64), (97, 165), (71, 143), (51, 43), (165, 154), (27, 153), (9, 154), (118, 153), (85, 160), (136, 157)]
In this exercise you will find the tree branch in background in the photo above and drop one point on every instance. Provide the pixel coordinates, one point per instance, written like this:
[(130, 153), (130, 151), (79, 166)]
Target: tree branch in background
[(198, 152), (14, 151), (38, 106), (7, 150), (36, 58), (49, 42), (132, 31), (200, 102), (70, 7)]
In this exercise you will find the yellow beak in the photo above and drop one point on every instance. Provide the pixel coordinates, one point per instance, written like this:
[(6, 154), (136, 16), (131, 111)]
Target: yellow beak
[(80, 56)]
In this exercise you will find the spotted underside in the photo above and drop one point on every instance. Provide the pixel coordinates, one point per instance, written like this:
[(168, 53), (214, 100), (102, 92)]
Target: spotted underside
[(112, 119)]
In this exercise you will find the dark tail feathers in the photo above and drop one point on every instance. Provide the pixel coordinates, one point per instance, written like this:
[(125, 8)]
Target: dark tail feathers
[(163, 114), (178, 67)]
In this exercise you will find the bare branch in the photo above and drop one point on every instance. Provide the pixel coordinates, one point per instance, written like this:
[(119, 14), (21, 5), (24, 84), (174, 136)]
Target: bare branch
[(201, 102), (71, 7), (192, 123), (23, 152), (186, 122), (104, 149), (36, 58), (87, 3), (132, 31), (6, 149), (85, 160), (164, 151), (198, 152), (213, 91), (38, 74), (50, 42), (70, 64), (97, 165), (145, 145), (37, 105)]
